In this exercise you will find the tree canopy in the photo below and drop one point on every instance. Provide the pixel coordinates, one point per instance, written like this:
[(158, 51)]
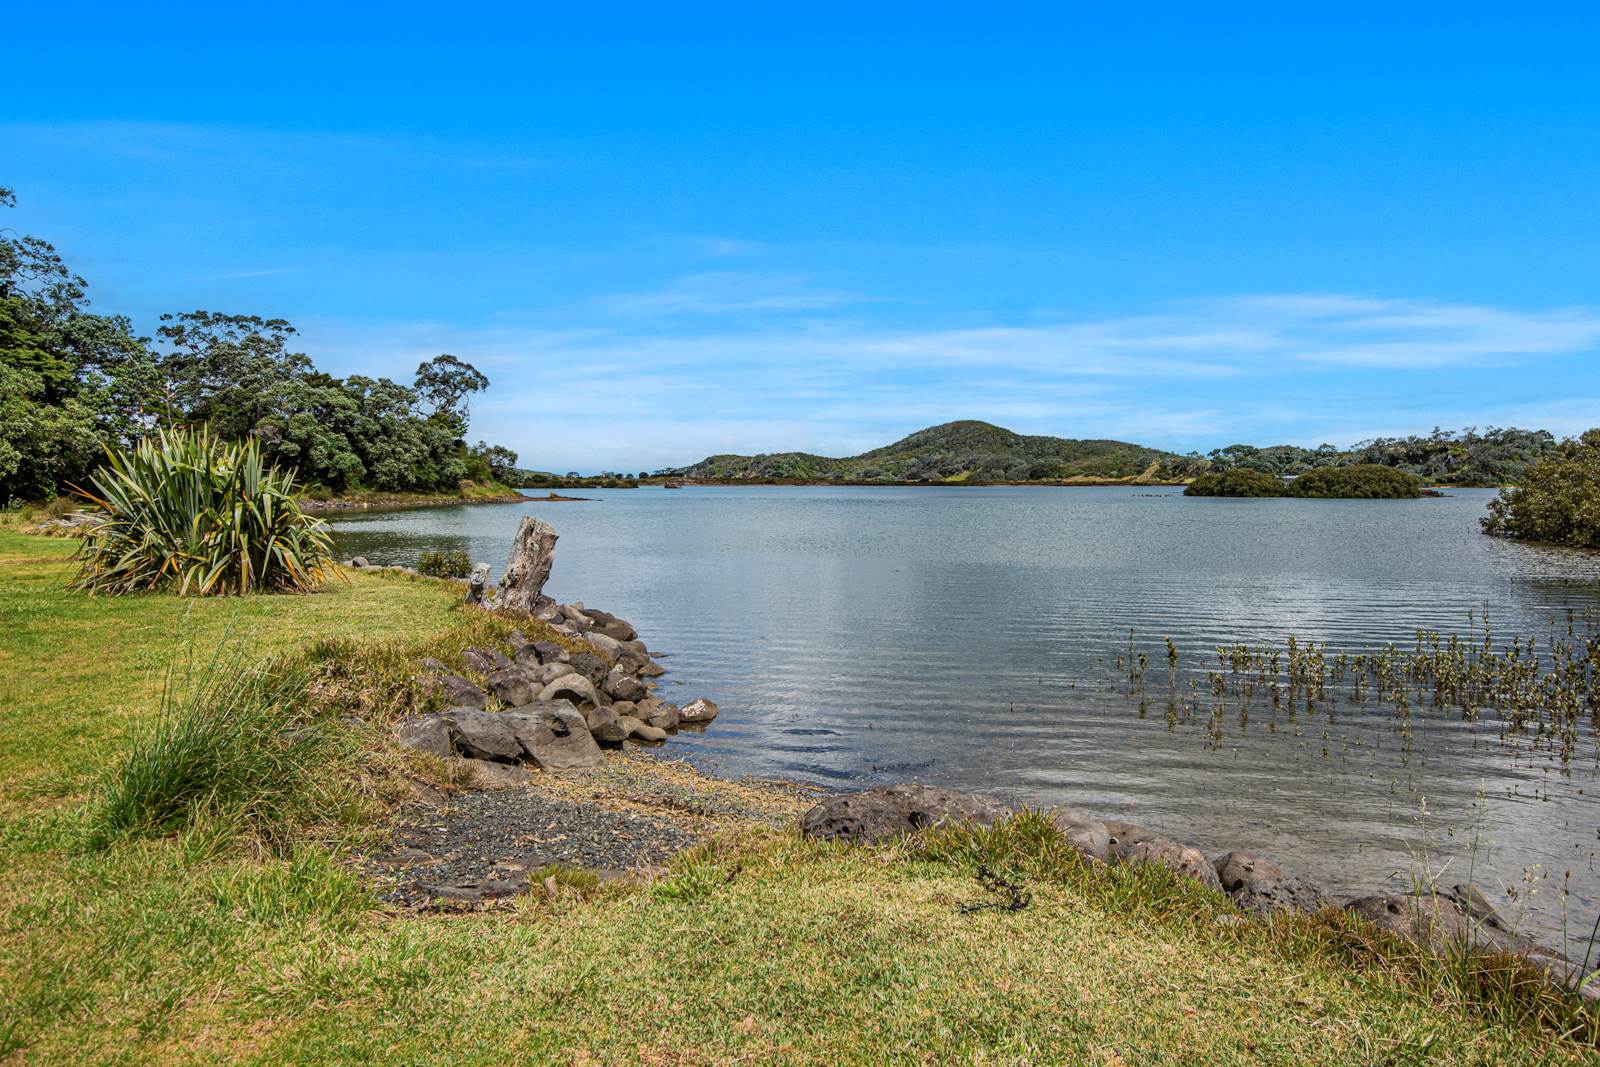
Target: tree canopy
[(1558, 500), (73, 383)]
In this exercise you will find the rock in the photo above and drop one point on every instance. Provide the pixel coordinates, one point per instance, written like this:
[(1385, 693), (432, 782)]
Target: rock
[(461, 693), (1434, 921), (478, 591), (473, 892), (610, 625), (533, 552), (650, 669), (571, 687), (516, 638), (661, 715), (425, 733), (1086, 834), (1259, 886), (697, 712), (428, 663), (550, 652), (484, 661), (606, 725), (537, 653), (360, 563), (575, 615), (620, 686), (640, 731), (546, 673), (484, 735), (1125, 835), (626, 707), (512, 687), (1183, 859), (880, 814), (608, 648), (486, 774), (590, 666), (555, 736)]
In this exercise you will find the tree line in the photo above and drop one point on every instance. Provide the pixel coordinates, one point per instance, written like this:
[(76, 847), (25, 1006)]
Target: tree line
[(74, 383)]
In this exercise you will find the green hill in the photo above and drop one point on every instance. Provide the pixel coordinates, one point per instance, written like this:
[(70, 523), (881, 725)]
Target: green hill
[(952, 452)]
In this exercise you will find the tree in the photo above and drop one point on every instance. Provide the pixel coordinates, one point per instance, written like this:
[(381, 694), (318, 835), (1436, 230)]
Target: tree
[(1558, 500), (222, 369), (445, 382)]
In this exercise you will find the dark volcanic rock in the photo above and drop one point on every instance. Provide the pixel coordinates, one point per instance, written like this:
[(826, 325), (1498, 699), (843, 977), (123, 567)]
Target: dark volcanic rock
[(590, 666), (880, 814), (1183, 859), (425, 733), (512, 687), (1257, 885), (697, 712), (1434, 921), (623, 686), (606, 725), (479, 734), (1125, 835), (484, 661), (554, 735), (1085, 833), (462, 693)]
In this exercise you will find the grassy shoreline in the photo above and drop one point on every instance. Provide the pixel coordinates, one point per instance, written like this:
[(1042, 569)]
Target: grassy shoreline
[(471, 493), (758, 946)]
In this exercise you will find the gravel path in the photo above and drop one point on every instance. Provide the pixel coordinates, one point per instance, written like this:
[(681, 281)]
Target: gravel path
[(481, 846)]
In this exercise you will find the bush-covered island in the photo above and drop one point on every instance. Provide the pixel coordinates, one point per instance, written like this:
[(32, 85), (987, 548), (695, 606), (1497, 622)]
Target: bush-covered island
[(1362, 481)]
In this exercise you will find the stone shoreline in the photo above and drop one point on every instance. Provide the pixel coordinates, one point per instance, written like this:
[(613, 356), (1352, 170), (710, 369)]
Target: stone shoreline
[(546, 707)]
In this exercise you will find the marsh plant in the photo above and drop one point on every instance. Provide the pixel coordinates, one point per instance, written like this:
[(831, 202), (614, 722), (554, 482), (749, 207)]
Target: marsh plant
[(445, 564), (186, 512)]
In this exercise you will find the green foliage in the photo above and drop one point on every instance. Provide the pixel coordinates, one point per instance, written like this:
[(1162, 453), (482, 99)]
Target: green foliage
[(1465, 458), (445, 564), (1363, 480), (186, 511), (1240, 481), (1558, 500), (230, 754)]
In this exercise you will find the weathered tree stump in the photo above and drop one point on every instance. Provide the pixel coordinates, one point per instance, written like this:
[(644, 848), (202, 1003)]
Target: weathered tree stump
[(478, 591), (533, 551)]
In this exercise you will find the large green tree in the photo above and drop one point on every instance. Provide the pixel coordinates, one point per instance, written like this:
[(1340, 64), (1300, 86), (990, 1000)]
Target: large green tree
[(1558, 500)]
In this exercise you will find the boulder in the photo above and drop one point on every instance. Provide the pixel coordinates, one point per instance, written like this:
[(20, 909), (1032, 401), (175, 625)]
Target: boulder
[(636, 647), (546, 673), (1085, 833), (460, 692), (571, 687), (661, 715), (590, 666), (610, 625), (485, 774), (574, 614), (626, 707), (1182, 859), (697, 712), (360, 563), (1434, 921), (621, 686), (641, 731), (433, 666), (555, 736), (512, 686), (535, 653), (1259, 886), (650, 669), (425, 733), (484, 661), (606, 725), (881, 814), (550, 652), (1125, 835), (533, 553), (608, 648), (479, 734)]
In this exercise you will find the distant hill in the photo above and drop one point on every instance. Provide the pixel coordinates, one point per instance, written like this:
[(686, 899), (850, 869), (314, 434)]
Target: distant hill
[(965, 451)]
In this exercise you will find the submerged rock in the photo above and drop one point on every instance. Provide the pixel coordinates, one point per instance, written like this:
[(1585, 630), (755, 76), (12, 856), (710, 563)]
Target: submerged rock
[(880, 814)]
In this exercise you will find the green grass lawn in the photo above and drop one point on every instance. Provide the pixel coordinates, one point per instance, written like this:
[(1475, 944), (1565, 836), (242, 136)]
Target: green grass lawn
[(758, 948)]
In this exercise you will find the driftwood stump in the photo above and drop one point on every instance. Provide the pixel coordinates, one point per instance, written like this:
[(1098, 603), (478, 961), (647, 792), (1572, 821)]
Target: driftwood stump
[(533, 551), (478, 591)]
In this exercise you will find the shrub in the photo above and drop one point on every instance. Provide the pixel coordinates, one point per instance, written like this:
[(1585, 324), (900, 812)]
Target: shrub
[(186, 511), (1357, 481), (1558, 500), (231, 753), (1241, 481), (445, 564)]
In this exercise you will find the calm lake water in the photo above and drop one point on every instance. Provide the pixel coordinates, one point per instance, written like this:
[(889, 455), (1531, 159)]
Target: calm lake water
[(969, 637)]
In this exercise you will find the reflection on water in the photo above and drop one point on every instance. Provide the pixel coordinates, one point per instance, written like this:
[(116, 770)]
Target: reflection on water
[(969, 637)]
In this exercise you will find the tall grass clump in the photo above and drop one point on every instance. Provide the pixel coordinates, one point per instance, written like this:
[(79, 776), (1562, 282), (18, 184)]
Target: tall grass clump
[(231, 754), (188, 512)]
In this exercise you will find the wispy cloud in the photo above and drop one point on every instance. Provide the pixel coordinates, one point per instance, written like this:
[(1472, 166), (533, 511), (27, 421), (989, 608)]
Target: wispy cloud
[(783, 363)]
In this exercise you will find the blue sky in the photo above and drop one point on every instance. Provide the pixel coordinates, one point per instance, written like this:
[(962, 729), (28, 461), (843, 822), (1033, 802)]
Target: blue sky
[(667, 231)]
